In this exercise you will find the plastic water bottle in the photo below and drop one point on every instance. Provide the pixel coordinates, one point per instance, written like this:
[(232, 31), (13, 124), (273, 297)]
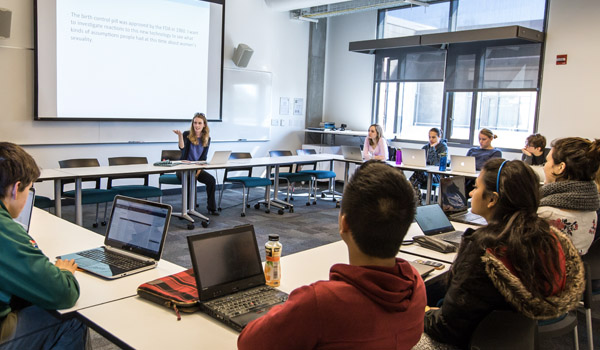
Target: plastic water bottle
[(443, 161), (398, 156), (272, 266)]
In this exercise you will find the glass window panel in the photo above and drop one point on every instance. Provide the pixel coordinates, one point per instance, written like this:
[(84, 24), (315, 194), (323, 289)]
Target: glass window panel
[(462, 103), (474, 14), (512, 67), (420, 109), (462, 74), (386, 105), (425, 66), (416, 20), (510, 115)]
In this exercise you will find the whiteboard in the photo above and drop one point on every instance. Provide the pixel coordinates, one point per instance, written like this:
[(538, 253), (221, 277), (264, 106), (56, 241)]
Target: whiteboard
[(246, 111)]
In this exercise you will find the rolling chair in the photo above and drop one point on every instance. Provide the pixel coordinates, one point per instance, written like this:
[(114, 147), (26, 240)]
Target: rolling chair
[(136, 191), (171, 178), (591, 261), (247, 182), (320, 175), (504, 329), (291, 177), (43, 202), (94, 195)]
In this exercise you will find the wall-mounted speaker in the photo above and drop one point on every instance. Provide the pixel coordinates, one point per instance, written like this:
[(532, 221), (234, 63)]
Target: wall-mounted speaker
[(5, 16), (242, 54)]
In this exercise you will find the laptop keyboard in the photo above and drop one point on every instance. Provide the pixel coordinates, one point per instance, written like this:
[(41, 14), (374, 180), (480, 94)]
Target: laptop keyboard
[(117, 260), (244, 302)]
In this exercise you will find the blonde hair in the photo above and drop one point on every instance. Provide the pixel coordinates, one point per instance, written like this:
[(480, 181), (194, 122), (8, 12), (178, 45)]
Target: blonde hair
[(204, 135), (379, 131)]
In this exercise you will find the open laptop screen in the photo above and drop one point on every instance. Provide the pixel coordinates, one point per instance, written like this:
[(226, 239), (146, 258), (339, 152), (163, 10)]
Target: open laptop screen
[(138, 226), (25, 217), (226, 261), (432, 220)]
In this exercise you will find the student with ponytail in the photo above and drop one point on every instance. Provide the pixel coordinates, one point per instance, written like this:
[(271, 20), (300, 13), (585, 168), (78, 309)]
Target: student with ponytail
[(517, 262), (569, 196)]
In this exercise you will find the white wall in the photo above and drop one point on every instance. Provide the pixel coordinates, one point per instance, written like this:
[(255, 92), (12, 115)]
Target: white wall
[(569, 102), (280, 47)]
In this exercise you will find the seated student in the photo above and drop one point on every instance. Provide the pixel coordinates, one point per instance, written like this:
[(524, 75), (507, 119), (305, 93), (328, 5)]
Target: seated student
[(433, 152), (518, 261), (29, 283), (569, 195), (375, 302), (485, 151), (535, 151), (194, 144), (375, 146)]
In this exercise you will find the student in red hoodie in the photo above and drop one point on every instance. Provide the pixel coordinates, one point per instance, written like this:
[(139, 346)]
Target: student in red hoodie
[(375, 302)]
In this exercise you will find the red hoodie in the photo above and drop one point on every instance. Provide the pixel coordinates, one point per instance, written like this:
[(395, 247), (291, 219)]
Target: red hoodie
[(360, 307)]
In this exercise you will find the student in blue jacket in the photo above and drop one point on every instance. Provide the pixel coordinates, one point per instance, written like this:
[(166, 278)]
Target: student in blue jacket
[(29, 283)]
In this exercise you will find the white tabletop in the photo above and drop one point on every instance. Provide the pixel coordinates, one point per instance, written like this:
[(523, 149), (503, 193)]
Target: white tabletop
[(145, 325), (56, 237)]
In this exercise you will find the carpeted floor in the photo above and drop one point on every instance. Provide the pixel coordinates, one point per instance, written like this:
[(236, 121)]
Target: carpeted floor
[(307, 227)]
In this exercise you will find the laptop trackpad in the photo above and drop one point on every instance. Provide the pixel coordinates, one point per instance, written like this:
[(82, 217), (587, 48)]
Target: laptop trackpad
[(243, 320)]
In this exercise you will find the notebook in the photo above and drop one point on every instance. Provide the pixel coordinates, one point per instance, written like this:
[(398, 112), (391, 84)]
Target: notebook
[(463, 164), (219, 157), (229, 271), (413, 157), (433, 221), (352, 153), (134, 239), (24, 219), (454, 201)]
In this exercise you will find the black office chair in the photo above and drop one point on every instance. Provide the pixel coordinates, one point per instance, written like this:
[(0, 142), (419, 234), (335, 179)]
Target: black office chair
[(247, 181), (135, 191), (291, 177), (94, 195), (170, 178), (504, 329)]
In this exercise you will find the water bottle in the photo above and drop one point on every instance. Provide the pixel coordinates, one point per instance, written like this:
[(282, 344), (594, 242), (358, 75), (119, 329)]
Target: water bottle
[(398, 156), (272, 266), (443, 161)]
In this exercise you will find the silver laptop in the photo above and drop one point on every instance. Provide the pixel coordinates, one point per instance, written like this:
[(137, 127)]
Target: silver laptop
[(230, 278), (413, 157), (352, 153), (219, 157), (463, 164), (433, 222), (134, 239), (24, 219)]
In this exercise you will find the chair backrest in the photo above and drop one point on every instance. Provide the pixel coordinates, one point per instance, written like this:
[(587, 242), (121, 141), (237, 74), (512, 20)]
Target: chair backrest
[(504, 329), (167, 154), (592, 257), (283, 153), (126, 161), (307, 152), (79, 163), (239, 155)]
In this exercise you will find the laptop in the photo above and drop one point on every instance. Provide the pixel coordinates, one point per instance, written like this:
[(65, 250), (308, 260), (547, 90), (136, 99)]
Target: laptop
[(413, 157), (454, 202), (463, 164), (24, 219), (134, 239), (433, 222), (219, 157), (352, 153), (229, 272)]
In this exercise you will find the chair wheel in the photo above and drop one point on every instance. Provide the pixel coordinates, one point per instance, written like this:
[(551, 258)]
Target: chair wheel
[(322, 195), (243, 214), (268, 211), (308, 204), (205, 224), (334, 200), (256, 206), (248, 206), (190, 226), (337, 204), (291, 198), (219, 209), (94, 225), (280, 212), (291, 210), (103, 223), (314, 203)]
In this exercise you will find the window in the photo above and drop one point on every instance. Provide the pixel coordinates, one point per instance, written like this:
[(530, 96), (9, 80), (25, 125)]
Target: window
[(460, 87)]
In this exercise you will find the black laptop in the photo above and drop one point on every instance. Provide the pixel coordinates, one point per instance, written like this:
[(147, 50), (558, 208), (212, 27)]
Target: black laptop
[(230, 278), (134, 239), (24, 219), (454, 201), (433, 222)]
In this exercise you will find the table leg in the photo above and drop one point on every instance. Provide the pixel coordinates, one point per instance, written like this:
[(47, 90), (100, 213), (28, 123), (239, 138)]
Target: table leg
[(57, 199), (276, 201), (192, 199), (428, 194), (184, 197), (78, 211)]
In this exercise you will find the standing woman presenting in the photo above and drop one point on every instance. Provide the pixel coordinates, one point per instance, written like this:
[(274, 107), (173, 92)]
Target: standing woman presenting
[(375, 145), (194, 145)]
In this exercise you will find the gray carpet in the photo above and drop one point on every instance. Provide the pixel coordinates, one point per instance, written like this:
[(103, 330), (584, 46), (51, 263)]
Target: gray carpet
[(307, 227)]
